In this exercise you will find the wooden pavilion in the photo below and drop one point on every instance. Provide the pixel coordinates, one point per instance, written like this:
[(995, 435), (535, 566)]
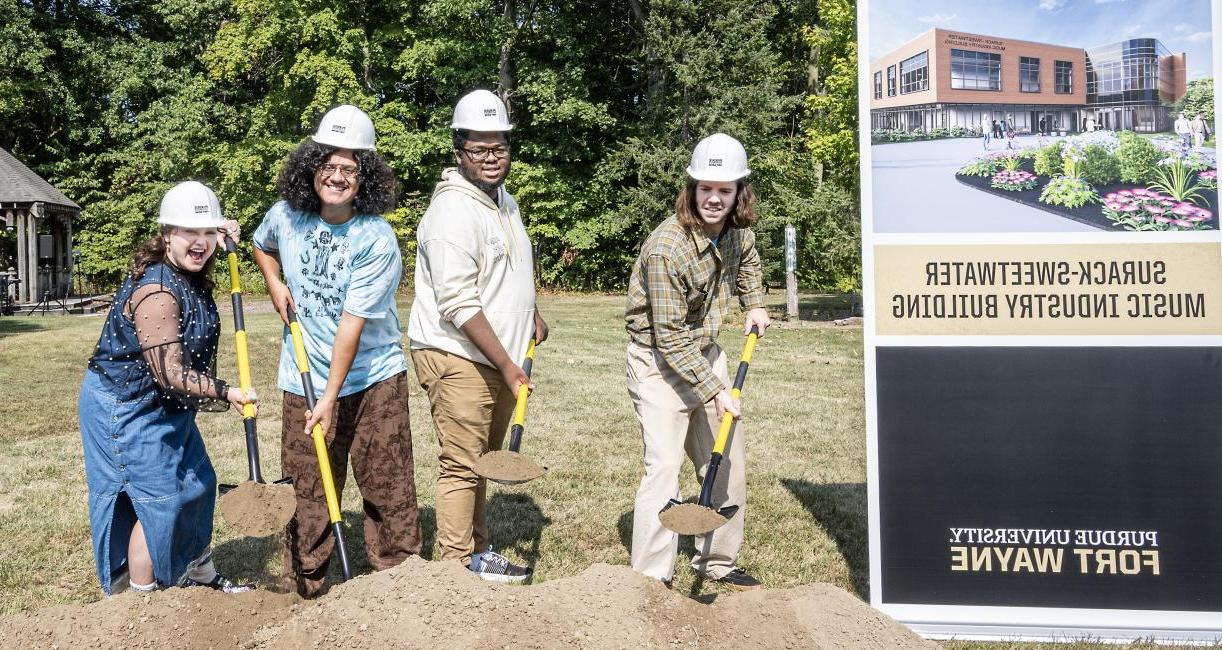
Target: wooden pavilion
[(41, 217)]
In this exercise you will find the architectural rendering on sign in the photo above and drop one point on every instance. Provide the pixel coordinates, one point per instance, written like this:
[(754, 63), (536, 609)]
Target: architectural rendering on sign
[(945, 78)]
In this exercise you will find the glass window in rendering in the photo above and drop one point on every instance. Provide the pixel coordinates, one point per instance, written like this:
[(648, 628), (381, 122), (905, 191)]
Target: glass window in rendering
[(891, 81), (971, 70), (1028, 74), (914, 73), (1064, 77)]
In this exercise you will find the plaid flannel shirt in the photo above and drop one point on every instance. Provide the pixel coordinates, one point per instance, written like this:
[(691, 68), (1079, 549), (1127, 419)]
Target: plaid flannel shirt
[(680, 292)]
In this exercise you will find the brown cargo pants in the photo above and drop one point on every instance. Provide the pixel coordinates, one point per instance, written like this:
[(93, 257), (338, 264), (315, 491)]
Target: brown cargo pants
[(371, 426)]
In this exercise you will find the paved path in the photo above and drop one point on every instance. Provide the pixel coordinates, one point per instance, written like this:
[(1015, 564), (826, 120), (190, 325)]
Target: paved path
[(915, 191)]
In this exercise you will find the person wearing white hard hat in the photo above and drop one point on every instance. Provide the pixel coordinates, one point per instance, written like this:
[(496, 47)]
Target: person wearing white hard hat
[(472, 318), (152, 489), (325, 250), (683, 281)]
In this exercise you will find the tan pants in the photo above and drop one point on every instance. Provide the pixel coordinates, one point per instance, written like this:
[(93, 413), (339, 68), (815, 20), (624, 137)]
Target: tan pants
[(471, 409), (673, 421)]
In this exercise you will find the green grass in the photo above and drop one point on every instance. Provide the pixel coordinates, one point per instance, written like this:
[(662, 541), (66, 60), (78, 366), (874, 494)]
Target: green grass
[(804, 427)]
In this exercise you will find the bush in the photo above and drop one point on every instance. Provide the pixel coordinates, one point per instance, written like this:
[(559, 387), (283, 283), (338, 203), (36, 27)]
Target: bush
[(1069, 192), (1137, 157), (1099, 166), (1048, 159)]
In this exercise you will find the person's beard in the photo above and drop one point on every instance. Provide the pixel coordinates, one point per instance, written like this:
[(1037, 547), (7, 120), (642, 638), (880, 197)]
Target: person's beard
[(483, 185)]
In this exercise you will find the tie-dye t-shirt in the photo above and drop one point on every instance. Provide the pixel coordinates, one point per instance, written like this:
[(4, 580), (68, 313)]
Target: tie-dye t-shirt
[(353, 267)]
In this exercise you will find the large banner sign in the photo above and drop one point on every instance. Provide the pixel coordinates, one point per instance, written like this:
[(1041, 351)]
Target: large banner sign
[(1043, 299)]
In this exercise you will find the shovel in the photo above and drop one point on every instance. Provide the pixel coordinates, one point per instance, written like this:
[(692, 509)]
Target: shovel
[(320, 445), (508, 466), (701, 517), (253, 508)]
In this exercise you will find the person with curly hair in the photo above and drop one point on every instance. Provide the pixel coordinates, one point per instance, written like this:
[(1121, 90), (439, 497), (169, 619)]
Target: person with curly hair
[(324, 250), (152, 488), (679, 294)]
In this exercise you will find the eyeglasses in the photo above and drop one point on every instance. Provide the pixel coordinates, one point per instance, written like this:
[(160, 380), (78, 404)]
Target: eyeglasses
[(481, 154), (347, 171)]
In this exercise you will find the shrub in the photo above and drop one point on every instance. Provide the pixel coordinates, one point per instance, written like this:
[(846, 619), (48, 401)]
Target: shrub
[(1099, 166), (1139, 209), (1014, 180), (982, 166), (1069, 192), (1137, 157), (1048, 159)]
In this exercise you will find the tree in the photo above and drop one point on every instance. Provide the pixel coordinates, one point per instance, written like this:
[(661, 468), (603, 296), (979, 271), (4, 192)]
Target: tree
[(1198, 99)]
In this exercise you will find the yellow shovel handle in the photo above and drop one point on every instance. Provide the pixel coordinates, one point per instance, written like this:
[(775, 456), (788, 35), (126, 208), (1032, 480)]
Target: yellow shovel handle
[(317, 433), (727, 418), (519, 410)]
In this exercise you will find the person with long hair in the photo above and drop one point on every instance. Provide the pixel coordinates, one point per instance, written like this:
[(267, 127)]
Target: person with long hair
[(152, 489), (325, 250), (679, 294)]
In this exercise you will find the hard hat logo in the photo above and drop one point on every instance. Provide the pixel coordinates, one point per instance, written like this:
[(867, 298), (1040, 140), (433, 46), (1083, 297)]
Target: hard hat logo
[(718, 158), (346, 127), (202, 209), (481, 110)]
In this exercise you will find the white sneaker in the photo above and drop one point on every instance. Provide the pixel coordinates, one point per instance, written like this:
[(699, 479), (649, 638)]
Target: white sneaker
[(497, 568)]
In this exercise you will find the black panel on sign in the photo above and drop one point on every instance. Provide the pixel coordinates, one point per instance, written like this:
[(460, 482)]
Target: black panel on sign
[(1051, 439)]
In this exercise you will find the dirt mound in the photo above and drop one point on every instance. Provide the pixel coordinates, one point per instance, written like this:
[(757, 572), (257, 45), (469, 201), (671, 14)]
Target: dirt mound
[(258, 509), (196, 619), (440, 604)]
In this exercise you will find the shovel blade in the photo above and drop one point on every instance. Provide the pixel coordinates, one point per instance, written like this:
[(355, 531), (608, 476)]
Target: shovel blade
[(694, 519), (508, 467)]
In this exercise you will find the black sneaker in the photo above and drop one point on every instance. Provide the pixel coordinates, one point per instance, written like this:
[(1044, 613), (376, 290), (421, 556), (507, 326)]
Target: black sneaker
[(221, 583), (497, 568), (739, 580)]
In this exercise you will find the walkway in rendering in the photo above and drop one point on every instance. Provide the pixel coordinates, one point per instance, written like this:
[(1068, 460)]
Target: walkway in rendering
[(915, 191)]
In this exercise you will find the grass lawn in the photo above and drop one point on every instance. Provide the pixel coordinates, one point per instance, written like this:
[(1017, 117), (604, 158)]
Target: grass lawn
[(804, 426)]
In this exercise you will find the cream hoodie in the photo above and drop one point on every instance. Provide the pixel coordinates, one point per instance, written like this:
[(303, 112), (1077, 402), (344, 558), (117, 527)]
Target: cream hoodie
[(472, 255)]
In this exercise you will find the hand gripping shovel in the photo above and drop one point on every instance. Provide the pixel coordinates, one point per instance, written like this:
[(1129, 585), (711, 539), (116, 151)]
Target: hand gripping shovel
[(253, 508), (320, 445), (701, 517), (508, 466)]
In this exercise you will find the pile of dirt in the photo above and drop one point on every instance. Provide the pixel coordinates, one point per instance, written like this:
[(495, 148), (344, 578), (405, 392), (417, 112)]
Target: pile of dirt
[(691, 519), (441, 604), (258, 509), (194, 619)]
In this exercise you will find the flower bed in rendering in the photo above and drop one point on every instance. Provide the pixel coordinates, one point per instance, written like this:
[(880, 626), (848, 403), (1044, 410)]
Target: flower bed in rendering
[(1121, 182)]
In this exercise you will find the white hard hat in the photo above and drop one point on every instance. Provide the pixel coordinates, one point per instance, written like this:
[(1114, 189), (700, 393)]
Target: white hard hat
[(718, 158), (190, 205), (346, 127), (480, 110)]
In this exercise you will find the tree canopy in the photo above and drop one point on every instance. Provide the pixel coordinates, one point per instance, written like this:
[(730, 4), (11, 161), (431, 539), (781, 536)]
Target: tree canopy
[(116, 100)]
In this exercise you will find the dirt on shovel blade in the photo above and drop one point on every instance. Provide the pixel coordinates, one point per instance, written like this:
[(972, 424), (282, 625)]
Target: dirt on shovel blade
[(508, 467), (258, 509), (691, 519)]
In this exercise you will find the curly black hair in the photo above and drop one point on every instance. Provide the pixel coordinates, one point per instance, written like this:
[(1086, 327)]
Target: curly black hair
[(377, 193)]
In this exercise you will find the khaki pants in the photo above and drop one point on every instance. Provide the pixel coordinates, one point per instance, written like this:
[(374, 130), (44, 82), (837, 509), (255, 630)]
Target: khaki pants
[(471, 409), (372, 426), (673, 421)]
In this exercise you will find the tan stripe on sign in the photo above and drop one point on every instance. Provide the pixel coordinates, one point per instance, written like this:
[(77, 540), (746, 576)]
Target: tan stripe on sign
[(1062, 289)]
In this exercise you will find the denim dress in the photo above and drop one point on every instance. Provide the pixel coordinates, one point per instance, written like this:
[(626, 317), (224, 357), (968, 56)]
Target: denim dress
[(144, 456)]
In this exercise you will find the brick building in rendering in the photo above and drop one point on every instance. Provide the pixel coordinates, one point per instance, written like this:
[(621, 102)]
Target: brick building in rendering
[(944, 79)]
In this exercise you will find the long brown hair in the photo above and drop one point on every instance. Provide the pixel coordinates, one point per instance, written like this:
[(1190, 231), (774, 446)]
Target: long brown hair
[(153, 250), (744, 206)]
